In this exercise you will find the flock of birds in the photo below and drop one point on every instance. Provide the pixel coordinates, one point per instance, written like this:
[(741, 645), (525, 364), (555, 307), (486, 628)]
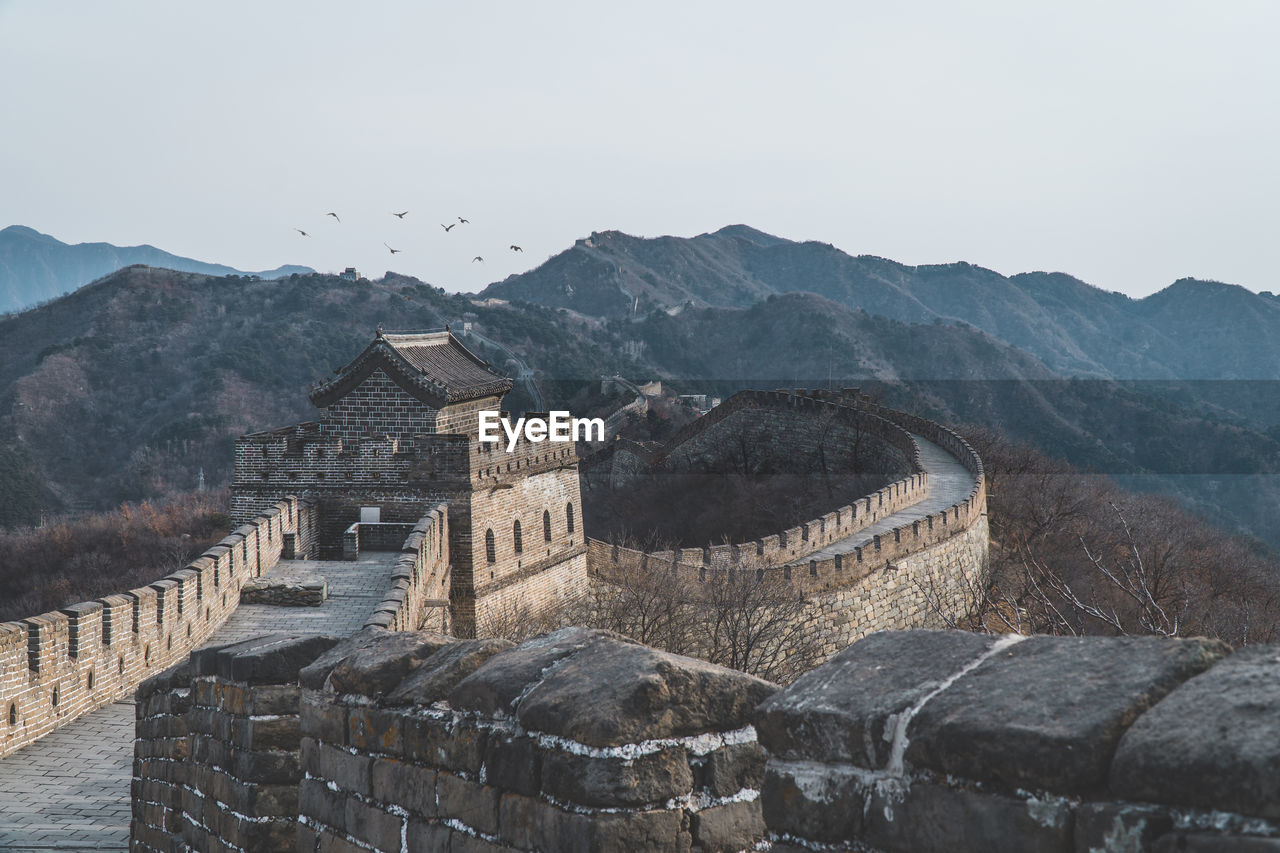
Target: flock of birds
[(401, 215)]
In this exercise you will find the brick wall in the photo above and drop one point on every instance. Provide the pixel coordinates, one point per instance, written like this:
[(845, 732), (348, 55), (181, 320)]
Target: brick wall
[(905, 742), (468, 752), (56, 666), (922, 573)]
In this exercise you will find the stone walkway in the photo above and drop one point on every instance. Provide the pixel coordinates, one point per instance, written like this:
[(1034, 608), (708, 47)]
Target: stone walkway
[(949, 482), (70, 789)]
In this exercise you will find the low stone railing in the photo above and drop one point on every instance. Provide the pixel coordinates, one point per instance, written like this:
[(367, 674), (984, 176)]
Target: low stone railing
[(906, 742), (60, 665), (418, 597), (785, 553)]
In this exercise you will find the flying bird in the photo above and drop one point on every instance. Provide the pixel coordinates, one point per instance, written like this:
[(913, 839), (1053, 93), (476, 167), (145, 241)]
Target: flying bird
[(477, 258), (516, 248), (464, 221), (401, 215), (303, 233), (334, 215), (393, 251), (448, 227)]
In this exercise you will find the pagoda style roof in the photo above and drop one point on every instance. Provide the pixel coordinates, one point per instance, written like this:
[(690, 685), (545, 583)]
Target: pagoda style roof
[(433, 367)]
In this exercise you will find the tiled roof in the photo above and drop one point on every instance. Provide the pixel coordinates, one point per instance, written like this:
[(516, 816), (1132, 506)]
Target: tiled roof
[(433, 366)]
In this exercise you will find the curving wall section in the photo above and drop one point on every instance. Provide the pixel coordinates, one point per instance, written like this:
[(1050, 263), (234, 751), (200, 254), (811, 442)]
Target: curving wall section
[(59, 665), (920, 573)]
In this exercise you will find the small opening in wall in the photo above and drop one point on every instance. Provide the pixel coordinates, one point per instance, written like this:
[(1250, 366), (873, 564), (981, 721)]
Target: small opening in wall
[(89, 680), (55, 697), (168, 643), (121, 664), (188, 632), (146, 655), (13, 713)]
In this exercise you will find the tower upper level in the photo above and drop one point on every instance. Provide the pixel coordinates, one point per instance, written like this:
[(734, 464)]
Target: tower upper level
[(407, 384)]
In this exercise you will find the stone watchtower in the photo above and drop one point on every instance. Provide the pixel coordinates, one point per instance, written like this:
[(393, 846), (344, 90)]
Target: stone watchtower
[(399, 434)]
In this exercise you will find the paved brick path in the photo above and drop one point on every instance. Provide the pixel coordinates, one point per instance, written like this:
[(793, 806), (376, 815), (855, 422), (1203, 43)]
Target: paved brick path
[(70, 789), (949, 482)]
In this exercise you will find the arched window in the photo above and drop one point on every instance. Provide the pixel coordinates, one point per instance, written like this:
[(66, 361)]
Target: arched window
[(546, 524), (490, 549), (568, 516), (515, 535)]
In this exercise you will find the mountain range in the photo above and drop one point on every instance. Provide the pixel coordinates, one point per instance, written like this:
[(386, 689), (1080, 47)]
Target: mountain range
[(128, 387), (1190, 330), (35, 267)]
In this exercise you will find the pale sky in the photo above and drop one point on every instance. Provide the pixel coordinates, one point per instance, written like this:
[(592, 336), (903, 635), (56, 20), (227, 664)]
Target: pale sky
[(1129, 144)]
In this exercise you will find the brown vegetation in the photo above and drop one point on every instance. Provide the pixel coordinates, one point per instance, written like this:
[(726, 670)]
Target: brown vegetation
[(1075, 554), (75, 559), (751, 621)]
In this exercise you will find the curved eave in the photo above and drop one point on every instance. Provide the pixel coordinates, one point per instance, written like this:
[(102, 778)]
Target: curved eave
[(381, 355)]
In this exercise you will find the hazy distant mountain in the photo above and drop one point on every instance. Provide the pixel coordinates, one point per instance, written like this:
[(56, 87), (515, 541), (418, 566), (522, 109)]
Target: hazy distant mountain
[(35, 267), (1190, 330), (129, 387)]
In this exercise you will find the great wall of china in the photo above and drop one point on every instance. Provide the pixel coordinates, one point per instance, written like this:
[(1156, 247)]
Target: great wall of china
[(409, 735)]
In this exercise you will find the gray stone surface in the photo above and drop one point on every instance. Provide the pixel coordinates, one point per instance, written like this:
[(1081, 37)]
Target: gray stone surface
[(1213, 741), (1047, 712), (840, 711), (1118, 827), (70, 789), (611, 693), (270, 659), (949, 483), (440, 673), (648, 780), (936, 819), (383, 660), (295, 591), (504, 678)]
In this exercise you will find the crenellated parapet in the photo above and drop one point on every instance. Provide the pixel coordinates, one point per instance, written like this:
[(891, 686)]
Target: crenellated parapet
[(57, 666), (857, 581)]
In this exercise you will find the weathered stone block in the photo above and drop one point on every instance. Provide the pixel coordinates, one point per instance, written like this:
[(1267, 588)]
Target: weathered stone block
[(927, 818), (591, 781), (728, 827), (494, 688), (317, 802), (372, 825), (379, 662), (323, 718), (726, 771), (347, 771), (374, 730), (840, 711), (513, 763), (611, 693), (423, 837), (1212, 743), (271, 659), (447, 744), (270, 767), (406, 785), (1118, 827), (813, 801), (470, 802), (271, 699), (1047, 712), (630, 831), (441, 672), (261, 733)]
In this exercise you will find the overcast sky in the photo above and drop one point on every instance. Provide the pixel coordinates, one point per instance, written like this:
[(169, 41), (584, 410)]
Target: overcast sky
[(1127, 144)]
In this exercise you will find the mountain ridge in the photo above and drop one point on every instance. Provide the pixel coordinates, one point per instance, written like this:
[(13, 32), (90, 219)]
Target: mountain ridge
[(1075, 328), (36, 267)]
